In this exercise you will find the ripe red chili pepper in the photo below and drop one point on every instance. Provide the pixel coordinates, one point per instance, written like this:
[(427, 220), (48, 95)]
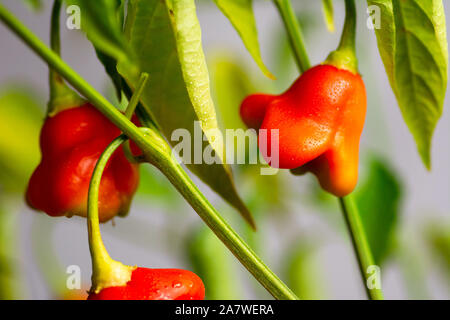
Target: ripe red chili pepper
[(320, 119), (71, 143), (156, 284)]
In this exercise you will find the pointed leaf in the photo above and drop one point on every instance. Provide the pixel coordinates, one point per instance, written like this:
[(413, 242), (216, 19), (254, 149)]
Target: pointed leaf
[(413, 45), (240, 14)]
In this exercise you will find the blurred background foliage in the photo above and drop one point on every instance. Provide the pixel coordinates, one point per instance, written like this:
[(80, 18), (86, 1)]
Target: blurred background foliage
[(379, 196)]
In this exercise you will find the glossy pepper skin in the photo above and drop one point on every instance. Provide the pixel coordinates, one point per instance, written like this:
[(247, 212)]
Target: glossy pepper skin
[(71, 143), (156, 284), (320, 119)]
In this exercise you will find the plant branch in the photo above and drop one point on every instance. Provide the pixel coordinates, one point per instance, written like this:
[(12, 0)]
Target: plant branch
[(294, 33), (360, 243), (136, 95), (156, 150), (134, 101), (178, 177), (106, 272)]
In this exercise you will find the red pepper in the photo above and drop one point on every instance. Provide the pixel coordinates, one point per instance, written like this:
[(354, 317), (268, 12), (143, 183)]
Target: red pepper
[(71, 143), (156, 284), (320, 119)]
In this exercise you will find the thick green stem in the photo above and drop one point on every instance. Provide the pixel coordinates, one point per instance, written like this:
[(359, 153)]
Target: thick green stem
[(178, 177), (152, 144), (106, 272), (360, 244), (294, 33), (344, 57)]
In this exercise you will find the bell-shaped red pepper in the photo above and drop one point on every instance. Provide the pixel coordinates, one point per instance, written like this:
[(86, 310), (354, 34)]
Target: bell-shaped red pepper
[(319, 120), (156, 284), (71, 143)]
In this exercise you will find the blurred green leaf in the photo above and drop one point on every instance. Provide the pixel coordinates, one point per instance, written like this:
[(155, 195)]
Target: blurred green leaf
[(328, 12), (45, 256), (34, 4), (167, 41), (240, 14), (215, 265), (8, 254), (414, 270), (439, 240), (231, 84), (154, 187), (413, 45), (20, 123), (315, 195), (303, 273), (378, 201)]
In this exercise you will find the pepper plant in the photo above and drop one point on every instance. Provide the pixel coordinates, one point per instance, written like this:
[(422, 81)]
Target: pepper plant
[(153, 54)]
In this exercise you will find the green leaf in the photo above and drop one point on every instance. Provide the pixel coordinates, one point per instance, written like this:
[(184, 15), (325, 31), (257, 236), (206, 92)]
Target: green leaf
[(378, 201), (231, 84), (20, 123), (10, 280), (303, 272), (154, 187), (34, 4), (328, 13), (413, 45), (167, 43), (240, 14), (214, 265), (438, 236)]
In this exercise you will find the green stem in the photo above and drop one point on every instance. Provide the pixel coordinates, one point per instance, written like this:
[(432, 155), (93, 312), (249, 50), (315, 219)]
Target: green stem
[(134, 101), (136, 96), (61, 97), (344, 57), (178, 177), (106, 272), (294, 33), (55, 39), (152, 144), (348, 37), (360, 243)]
